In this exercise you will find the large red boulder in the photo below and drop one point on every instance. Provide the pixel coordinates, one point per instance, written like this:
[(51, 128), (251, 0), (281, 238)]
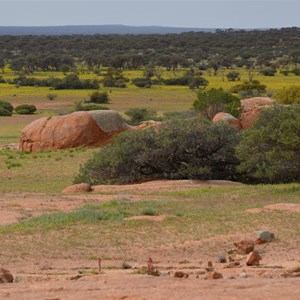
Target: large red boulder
[(222, 116), (255, 102), (89, 129), (251, 109), (249, 117)]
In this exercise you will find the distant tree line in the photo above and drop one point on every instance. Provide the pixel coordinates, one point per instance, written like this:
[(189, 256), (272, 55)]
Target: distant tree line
[(224, 49)]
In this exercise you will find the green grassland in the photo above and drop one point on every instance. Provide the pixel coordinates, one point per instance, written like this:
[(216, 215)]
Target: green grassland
[(160, 97), (47, 171)]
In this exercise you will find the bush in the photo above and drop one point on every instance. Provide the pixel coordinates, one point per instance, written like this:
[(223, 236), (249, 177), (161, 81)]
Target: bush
[(249, 87), (212, 101), (197, 81), (2, 80), (288, 95), (269, 152), (137, 115), (25, 109), (51, 96), (296, 71), (4, 112), (72, 81), (184, 80), (249, 94), (6, 105), (284, 72), (99, 97), (82, 106), (233, 76), (268, 72), (141, 82), (114, 78), (182, 149)]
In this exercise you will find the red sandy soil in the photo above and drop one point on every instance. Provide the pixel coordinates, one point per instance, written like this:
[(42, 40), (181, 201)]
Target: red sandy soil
[(59, 278)]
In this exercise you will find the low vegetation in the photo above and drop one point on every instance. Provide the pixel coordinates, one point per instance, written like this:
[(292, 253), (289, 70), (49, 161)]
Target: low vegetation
[(212, 101), (25, 109), (269, 152), (288, 95), (195, 148), (189, 148)]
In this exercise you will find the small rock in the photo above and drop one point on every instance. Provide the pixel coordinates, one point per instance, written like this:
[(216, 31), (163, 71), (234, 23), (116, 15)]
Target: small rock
[(215, 275), (201, 272), (180, 274), (253, 259), (209, 266), (6, 276), (77, 188), (244, 246), (243, 275), (233, 264), (264, 236), (126, 265), (222, 258), (236, 257)]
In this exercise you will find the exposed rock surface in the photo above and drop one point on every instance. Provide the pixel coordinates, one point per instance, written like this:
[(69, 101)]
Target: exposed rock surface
[(222, 116), (250, 103), (6, 276), (244, 246), (251, 109), (91, 129), (253, 259), (249, 117), (148, 124), (78, 188)]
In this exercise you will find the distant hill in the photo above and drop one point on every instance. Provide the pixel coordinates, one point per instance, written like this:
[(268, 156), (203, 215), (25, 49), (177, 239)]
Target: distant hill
[(95, 29)]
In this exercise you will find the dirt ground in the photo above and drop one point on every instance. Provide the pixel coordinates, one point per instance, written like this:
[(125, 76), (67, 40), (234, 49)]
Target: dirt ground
[(277, 276)]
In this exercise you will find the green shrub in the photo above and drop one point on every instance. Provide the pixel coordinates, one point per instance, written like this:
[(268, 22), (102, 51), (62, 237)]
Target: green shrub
[(114, 78), (82, 106), (249, 87), (269, 152), (4, 112), (212, 101), (141, 82), (51, 96), (288, 95), (296, 71), (197, 81), (99, 97), (268, 72), (233, 76), (184, 80), (25, 109), (72, 81), (137, 115), (182, 149), (6, 105)]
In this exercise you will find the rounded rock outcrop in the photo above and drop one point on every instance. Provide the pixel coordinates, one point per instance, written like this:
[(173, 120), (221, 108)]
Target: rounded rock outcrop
[(222, 116), (88, 129)]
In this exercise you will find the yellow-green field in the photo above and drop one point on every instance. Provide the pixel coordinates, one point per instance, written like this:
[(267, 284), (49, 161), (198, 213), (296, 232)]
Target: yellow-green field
[(160, 98)]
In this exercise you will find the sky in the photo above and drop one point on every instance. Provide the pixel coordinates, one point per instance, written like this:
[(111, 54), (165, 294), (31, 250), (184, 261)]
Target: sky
[(174, 13)]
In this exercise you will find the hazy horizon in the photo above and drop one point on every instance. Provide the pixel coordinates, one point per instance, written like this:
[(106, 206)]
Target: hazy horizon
[(244, 14)]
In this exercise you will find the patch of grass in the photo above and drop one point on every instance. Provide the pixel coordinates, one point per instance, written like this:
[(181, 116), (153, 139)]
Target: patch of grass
[(38, 172), (149, 211), (88, 214)]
